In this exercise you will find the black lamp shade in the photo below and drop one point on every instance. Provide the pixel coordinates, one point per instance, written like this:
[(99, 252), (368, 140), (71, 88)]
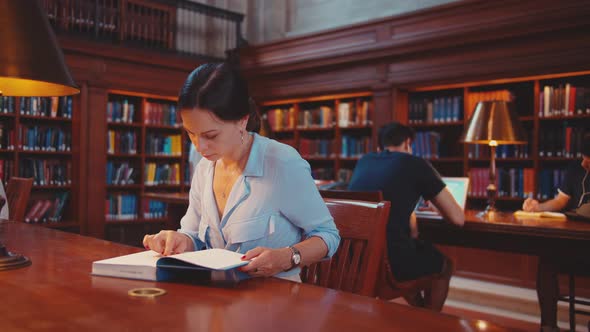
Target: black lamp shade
[(494, 121), (31, 62)]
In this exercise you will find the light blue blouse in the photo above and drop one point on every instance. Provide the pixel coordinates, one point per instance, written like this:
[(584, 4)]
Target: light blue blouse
[(274, 203)]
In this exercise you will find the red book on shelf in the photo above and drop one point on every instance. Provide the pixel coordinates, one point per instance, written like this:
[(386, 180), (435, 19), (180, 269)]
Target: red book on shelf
[(42, 210), (33, 210)]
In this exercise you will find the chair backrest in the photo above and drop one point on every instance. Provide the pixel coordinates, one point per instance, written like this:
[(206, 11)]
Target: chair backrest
[(370, 196), (355, 265), (17, 194)]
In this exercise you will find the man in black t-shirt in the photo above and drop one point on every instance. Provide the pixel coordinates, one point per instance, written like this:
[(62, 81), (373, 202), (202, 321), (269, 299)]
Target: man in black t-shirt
[(403, 179), (574, 192)]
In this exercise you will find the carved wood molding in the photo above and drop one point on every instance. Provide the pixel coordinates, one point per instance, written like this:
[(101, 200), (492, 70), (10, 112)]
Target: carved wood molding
[(443, 27)]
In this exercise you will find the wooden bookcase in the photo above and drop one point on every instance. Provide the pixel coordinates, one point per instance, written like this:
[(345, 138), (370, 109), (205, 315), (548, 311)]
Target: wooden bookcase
[(40, 138), (144, 138), (319, 129), (553, 134)]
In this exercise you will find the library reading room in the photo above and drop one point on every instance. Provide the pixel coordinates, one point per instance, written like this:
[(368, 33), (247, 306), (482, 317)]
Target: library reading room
[(295, 165)]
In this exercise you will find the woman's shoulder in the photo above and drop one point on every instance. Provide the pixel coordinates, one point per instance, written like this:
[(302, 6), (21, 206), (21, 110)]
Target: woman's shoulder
[(279, 152)]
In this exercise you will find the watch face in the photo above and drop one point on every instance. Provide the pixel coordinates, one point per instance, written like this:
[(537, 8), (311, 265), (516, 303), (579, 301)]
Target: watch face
[(296, 259)]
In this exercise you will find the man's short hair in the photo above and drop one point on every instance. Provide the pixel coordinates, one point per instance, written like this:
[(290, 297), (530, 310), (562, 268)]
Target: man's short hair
[(394, 134)]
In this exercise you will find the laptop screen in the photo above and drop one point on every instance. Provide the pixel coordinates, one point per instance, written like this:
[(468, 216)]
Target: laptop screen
[(457, 186)]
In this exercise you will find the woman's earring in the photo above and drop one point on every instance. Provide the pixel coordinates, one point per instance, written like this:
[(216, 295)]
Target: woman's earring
[(242, 135)]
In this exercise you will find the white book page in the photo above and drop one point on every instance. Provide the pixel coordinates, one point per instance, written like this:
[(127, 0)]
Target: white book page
[(216, 259), (145, 258)]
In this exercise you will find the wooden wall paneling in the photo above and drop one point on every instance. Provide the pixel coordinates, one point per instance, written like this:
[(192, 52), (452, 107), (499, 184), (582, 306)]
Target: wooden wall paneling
[(448, 26), (326, 81), (555, 52), (96, 180), (80, 158)]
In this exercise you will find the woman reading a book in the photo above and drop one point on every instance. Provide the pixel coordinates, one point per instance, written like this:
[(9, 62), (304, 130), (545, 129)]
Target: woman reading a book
[(249, 194)]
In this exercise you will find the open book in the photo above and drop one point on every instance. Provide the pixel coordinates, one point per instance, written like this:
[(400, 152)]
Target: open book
[(540, 215), (150, 265)]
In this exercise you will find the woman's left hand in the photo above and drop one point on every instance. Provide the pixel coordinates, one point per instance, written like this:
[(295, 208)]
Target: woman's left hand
[(266, 262)]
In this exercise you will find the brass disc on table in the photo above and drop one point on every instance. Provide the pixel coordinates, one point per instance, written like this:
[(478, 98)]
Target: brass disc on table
[(149, 292)]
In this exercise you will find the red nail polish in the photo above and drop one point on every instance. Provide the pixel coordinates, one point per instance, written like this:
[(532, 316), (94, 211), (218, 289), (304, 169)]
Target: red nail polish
[(243, 256)]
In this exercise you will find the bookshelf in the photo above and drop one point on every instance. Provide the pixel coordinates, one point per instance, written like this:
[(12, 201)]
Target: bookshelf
[(38, 140), (330, 132), (146, 152), (554, 111)]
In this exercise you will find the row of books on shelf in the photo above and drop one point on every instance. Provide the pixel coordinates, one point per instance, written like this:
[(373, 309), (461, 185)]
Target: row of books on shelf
[(7, 104), (6, 169), (354, 146), (47, 210), (44, 138), (121, 207), (321, 117), (154, 209), (53, 107), (120, 111), (119, 141), (120, 173), (316, 147), (510, 182), (351, 113), (323, 173), (427, 145), (437, 110), (156, 174), (160, 114), (565, 141), (549, 181), (502, 151), (564, 100), (124, 207), (46, 172), (7, 137), (168, 145), (281, 118)]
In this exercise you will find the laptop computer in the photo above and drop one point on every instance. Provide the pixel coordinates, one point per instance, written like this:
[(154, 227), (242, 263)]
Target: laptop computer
[(458, 186)]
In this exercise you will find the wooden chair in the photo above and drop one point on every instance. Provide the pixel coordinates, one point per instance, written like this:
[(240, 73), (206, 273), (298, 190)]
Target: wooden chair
[(388, 287), (371, 196), (355, 265), (571, 299), (17, 194)]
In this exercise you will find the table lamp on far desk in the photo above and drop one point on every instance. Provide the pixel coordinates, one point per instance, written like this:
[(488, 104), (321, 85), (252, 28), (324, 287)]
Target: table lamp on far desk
[(31, 64), (493, 123)]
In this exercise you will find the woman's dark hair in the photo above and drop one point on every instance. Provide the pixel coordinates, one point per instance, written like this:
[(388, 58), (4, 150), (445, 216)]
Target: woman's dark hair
[(220, 88), (394, 134)]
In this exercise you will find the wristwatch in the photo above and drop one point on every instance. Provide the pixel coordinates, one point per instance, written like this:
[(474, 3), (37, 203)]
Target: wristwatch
[(295, 257)]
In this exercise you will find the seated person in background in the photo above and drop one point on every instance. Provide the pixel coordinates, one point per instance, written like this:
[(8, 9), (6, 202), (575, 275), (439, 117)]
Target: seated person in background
[(3, 203), (403, 179), (574, 192), (249, 194)]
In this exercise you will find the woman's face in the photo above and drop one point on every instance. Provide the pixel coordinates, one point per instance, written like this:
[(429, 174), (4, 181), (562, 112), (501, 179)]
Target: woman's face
[(212, 137)]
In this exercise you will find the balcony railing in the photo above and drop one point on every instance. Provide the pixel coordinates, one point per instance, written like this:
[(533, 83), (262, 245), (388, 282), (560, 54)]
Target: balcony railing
[(177, 26)]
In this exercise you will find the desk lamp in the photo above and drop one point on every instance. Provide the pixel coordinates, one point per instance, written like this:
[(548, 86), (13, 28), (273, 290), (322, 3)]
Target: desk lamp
[(31, 64), (493, 123)]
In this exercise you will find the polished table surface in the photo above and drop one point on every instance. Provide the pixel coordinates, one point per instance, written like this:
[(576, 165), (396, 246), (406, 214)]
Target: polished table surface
[(501, 231), (57, 293)]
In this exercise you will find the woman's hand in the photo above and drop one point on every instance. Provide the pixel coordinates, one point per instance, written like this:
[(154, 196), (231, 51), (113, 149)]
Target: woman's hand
[(168, 242), (266, 262), (530, 205)]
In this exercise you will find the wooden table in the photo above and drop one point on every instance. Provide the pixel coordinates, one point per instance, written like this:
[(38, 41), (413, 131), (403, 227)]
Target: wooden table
[(58, 293), (501, 231)]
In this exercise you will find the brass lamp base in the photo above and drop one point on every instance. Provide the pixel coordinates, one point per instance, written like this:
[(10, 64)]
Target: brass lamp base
[(10, 261)]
